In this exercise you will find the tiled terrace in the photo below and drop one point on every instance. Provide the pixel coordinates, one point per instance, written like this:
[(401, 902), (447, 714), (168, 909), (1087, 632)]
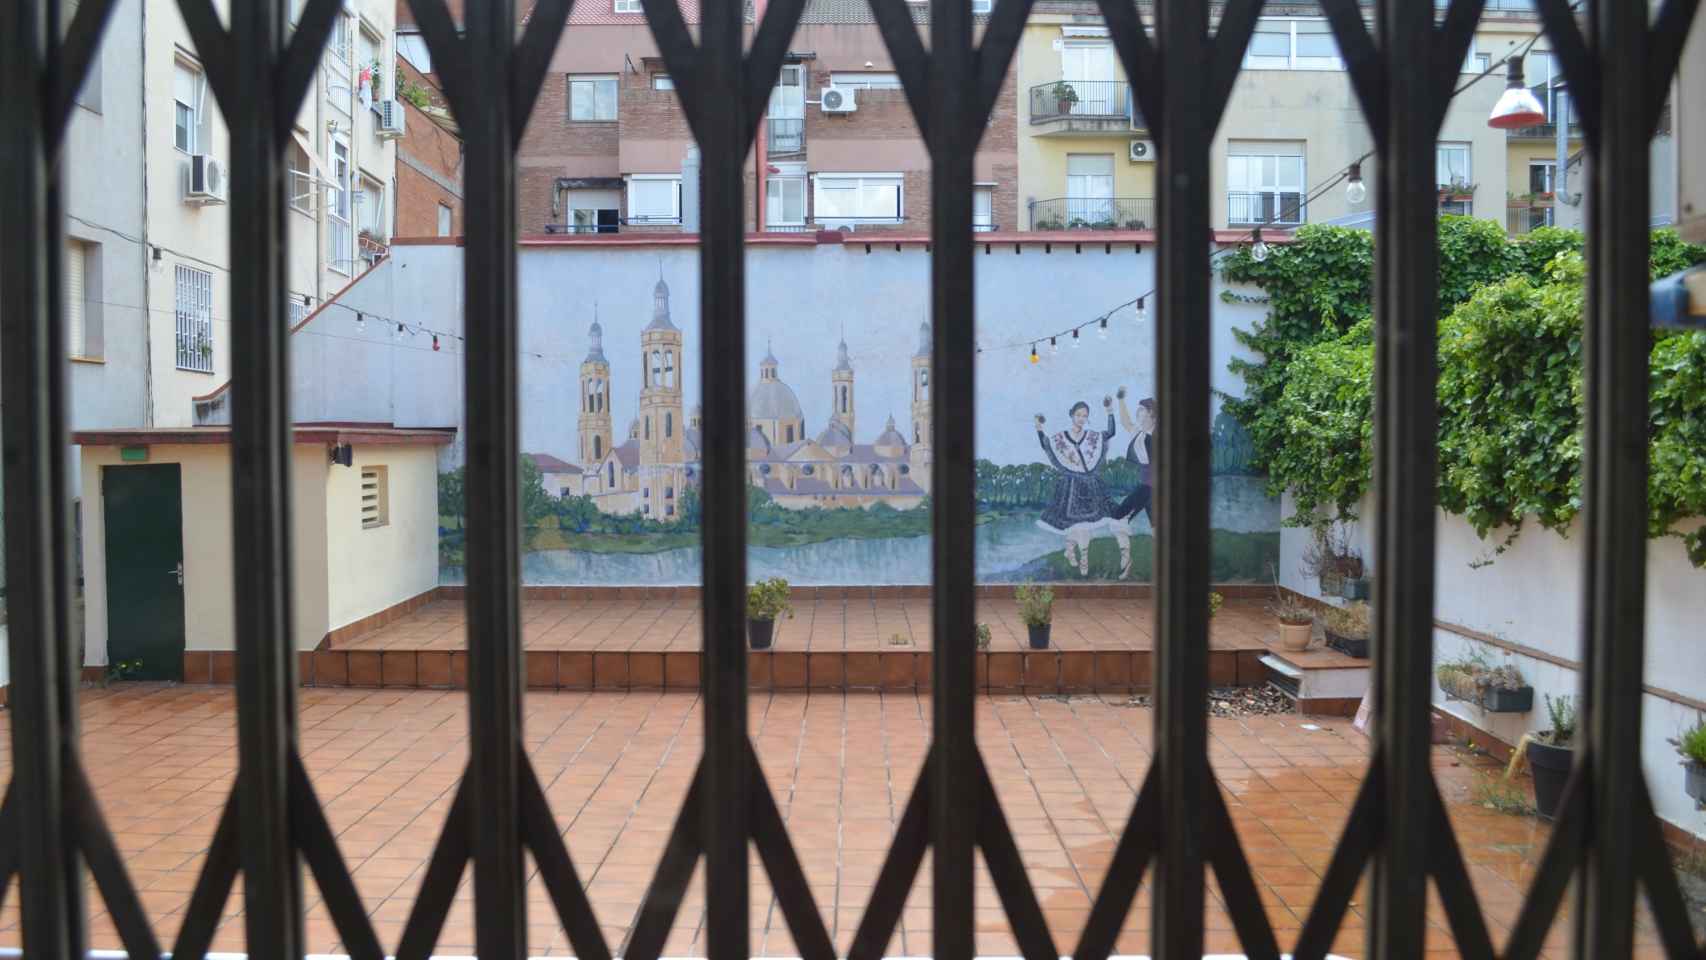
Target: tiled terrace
[(615, 768)]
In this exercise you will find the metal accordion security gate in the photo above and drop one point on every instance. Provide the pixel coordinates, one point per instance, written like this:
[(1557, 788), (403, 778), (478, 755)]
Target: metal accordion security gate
[(1618, 63)]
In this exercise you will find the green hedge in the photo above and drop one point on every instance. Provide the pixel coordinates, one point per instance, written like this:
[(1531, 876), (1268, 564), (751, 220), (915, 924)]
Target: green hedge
[(1510, 389)]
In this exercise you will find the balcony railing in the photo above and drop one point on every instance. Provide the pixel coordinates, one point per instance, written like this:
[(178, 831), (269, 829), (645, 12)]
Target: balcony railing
[(785, 135), (1280, 208), (1543, 131), (626, 224), (1522, 216), (1089, 99), (1093, 213)]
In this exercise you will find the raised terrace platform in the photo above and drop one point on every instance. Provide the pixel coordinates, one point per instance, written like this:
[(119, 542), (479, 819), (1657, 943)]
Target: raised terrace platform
[(867, 638)]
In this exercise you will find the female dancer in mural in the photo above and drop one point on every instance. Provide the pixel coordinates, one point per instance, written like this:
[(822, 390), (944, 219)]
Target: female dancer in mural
[(1080, 507), (1141, 452)]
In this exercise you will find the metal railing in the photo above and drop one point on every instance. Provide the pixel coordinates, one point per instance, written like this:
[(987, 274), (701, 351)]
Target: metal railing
[(785, 136), (1543, 131), (1279, 208), (1089, 99), (1606, 840), (1522, 216), (1086, 213)]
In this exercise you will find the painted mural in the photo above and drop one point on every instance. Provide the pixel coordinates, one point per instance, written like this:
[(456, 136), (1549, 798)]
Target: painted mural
[(839, 485)]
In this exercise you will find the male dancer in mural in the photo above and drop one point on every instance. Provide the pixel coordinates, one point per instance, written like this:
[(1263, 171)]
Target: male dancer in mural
[(1141, 453), (1080, 507)]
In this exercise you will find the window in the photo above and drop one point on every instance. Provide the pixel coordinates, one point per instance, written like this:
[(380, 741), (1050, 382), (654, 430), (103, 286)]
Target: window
[(866, 81), (371, 212), (597, 447), (662, 81), (301, 188), (342, 257), (788, 96), (1453, 178), (790, 432), (592, 98), (375, 498), (654, 198), (648, 428), (873, 198), (339, 41), (189, 92), (785, 201), (444, 221), (626, 6), (668, 424), (669, 369), (1542, 75), (982, 211), (1089, 189), (1264, 183), (591, 211), (195, 319), (1286, 44), (610, 469), (1476, 62), (368, 50), (89, 94), (982, 6), (82, 299), (1540, 177)]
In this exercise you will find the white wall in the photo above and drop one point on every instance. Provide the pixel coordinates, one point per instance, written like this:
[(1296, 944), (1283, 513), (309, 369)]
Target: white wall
[(1531, 595), (370, 569)]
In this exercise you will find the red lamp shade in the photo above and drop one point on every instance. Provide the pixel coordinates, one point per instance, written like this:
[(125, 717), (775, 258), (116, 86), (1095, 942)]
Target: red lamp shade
[(1517, 107)]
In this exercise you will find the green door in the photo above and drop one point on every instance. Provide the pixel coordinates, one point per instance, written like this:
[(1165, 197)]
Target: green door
[(143, 506)]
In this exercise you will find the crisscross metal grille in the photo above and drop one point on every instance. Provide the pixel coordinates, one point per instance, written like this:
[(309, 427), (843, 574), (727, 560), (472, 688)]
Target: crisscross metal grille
[(1182, 67)]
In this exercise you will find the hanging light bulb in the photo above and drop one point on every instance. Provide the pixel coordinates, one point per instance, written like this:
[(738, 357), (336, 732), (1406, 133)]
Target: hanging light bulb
[(1517, 107), (1102, 329), (1074, 338), (399, 334), (360, 322), (435, 343), (1034, 357), (1259, 249), (1142, 311), (1053, 348), (1355, 191)]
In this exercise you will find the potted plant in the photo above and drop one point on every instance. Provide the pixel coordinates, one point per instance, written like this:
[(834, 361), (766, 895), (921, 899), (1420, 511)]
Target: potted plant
[(765, 601), (1064, 97), (1331, 561), (1296, 619), (1692, 746), (1494, 689), (1348, 628), (1215, 602), (983, 636), (1550, 753), (1036, 609)]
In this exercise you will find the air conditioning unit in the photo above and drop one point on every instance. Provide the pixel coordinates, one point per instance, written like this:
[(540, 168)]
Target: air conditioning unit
[(839, 99), (1143, 151), (204, 180), (390, 120)]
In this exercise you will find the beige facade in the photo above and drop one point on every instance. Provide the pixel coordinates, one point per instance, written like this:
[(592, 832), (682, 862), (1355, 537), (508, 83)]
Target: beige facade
[(344, 569), (1689, 100), (341, 182), (1293, 123)]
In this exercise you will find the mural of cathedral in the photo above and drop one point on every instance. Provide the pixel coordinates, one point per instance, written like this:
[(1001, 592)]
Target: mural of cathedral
[(659, 458)]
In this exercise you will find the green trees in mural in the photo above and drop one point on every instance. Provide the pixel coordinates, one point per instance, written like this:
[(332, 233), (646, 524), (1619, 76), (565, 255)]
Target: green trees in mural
[(1510, 405)]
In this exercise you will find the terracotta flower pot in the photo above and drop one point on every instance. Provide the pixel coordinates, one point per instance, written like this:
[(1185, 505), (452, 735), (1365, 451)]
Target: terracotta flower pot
[(1295, 636)]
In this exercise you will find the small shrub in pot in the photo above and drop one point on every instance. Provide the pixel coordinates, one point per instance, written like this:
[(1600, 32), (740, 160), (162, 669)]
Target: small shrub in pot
[(765, 601), (1498, 689), (1036, 609), (1348, 628), (1550, 754), (1692, 747)]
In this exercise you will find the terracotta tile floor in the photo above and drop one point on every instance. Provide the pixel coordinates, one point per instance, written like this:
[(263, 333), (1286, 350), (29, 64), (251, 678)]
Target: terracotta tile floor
[(384, 763), (825, 624)]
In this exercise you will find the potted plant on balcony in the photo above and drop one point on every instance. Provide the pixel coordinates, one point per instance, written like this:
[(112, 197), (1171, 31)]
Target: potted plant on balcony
[(1064, 97), (1692, 747), (1550, 754), (1457, 190), (1296, 619), (1036, 609), (1348, 628), (1494, 689), (765, 601)]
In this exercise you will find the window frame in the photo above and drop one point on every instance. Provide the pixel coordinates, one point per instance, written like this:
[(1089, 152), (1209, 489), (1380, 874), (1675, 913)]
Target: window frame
[(1293, 60), (194, 317), (857, 182), (594, 79), (340, 217), (197, 128), (650, 218), (1279, 190)]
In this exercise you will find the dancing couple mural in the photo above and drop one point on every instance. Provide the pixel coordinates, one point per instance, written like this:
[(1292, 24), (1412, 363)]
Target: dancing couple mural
[(1081, 509)]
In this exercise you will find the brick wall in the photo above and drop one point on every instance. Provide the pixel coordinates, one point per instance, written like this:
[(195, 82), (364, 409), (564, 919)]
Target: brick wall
[(429, 168), (554, 146)]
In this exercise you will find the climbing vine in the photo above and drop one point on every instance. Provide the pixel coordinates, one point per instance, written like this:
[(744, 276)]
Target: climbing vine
[(1510, 389)]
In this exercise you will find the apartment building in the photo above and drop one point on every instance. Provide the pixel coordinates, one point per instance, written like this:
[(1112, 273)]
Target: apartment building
[(341, 163), (429, 156), (1688, 99), (838, 148), (1293, 123)]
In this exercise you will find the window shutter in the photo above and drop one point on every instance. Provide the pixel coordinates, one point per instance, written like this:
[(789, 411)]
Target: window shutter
[(75, 337)]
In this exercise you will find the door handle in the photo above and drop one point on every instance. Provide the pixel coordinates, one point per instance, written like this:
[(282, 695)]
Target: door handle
[(179, 572)]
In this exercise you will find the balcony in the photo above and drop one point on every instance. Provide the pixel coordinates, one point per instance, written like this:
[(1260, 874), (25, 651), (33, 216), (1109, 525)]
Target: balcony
[(1093, 213), (1262, 209), (1543, 131), (1523, 214), (1083, 108), (624, 225), (784, 136)]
